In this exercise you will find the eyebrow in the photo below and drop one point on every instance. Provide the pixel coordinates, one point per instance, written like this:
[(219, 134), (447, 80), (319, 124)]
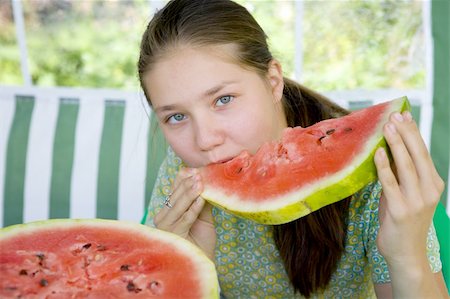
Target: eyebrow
[(217, 88), (208, 93), (163, 108)]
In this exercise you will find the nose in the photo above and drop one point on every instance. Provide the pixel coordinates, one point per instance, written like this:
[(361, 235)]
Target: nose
[(208, 134)]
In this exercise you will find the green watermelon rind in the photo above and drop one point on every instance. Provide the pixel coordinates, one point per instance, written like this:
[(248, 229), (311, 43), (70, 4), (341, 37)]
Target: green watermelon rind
[(205, 267), (294, 205)]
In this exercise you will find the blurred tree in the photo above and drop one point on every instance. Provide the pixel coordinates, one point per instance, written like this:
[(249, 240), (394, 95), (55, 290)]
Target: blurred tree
[(9, 51), (363, 44), (347, 44), (277, 18), (78, 43)]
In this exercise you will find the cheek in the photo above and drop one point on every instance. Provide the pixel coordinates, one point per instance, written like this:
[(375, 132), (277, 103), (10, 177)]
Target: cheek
[(177, 141), (252, 130), (183, 146)]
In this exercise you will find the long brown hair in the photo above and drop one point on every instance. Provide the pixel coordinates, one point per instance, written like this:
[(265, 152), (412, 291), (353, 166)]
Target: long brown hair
[(311, 246)]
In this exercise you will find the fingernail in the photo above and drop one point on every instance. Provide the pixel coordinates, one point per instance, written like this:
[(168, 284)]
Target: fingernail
[(381, 154), (398, 116), (391, 128), (196, 185), (188, 173), (407, 115)]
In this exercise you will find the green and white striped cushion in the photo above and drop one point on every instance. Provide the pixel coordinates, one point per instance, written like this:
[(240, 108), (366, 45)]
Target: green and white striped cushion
[(75, 153)]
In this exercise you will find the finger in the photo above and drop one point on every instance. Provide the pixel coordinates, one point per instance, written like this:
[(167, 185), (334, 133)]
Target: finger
[(182, 198), (185, 195), (394, 200), (188, 218), (406, 171), (418, 150), (180, 185), (182, 175)]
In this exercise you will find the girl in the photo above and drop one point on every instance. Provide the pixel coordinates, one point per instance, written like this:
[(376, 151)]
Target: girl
[(216, 90)]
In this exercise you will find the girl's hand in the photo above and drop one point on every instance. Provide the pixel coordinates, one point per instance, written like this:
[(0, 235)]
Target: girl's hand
[(411, 191), (190, 216)]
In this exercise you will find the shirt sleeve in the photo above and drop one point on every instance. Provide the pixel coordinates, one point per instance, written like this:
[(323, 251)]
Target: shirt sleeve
[(380, 272), (166, 175)]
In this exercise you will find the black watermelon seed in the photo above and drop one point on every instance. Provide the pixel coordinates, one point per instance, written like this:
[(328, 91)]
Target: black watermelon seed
[(40, 256), (43, 282), (131, 287), (23, 272), (87, 246), (348, 129), (125, 268), (331, 131)]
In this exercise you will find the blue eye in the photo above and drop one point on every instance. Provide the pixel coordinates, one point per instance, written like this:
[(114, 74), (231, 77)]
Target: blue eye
[(224, 100), (176, 118)]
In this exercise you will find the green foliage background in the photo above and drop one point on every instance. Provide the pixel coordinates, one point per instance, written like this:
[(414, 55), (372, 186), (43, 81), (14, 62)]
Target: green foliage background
[(346, 44), (364, 44), (76, 43)]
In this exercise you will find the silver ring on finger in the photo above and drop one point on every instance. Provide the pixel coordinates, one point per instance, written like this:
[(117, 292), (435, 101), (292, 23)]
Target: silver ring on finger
[(167, 202)]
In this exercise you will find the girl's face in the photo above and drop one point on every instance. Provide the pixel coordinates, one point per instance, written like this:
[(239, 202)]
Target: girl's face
[(210, 108)]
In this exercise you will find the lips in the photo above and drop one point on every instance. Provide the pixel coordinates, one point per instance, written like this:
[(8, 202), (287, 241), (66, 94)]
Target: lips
[(222, 160)]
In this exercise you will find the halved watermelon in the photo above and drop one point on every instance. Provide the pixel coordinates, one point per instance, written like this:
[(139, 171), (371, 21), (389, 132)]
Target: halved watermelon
[(101, 259), (305, 171)]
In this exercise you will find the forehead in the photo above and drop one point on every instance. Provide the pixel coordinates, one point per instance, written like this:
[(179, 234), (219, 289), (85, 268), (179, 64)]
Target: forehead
[(192, 69), (186, 53)]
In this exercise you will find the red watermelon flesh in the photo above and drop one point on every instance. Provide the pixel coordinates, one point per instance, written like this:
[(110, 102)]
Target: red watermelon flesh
[(101, 259), (307, 169)]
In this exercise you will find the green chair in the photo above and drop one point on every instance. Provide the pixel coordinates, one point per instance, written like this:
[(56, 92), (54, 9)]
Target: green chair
[(75, 153), (442, 224)]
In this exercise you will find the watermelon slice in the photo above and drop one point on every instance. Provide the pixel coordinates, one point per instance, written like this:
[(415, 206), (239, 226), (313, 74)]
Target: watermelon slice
[(101, 259), (305, 171)]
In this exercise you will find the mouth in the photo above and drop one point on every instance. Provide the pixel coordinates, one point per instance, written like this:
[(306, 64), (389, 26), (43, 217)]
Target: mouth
[(222, 161)]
